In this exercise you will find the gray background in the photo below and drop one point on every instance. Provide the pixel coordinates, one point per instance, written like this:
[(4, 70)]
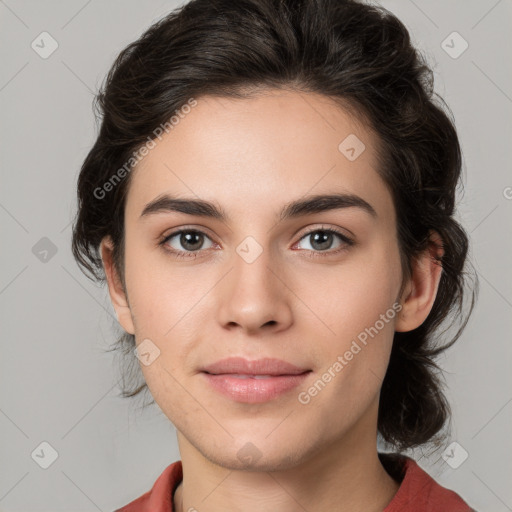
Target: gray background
[(57, 383)]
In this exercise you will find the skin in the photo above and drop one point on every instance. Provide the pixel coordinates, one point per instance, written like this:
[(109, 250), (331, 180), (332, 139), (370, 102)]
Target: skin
[(251, 157)]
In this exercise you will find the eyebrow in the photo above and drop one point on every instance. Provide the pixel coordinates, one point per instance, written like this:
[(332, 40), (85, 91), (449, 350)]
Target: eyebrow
[(305, 206)]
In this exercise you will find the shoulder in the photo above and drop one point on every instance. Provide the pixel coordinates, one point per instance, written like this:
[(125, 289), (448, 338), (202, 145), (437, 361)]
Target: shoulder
[(418, 491), (159, 498)]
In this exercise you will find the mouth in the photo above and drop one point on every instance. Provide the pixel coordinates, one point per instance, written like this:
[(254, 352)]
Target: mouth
[(265, 367), (247, 376), (257, 381)]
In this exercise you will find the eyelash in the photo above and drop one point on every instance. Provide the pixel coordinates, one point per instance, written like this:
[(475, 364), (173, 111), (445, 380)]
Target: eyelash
[(348, 242)]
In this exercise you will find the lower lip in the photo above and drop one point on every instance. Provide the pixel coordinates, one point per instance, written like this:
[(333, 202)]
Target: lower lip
[(252, 390)]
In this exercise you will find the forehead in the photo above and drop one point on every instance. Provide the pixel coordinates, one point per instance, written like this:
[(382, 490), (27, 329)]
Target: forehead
[(263, 150)]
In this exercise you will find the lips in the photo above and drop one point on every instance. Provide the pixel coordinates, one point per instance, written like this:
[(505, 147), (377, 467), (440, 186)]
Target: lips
[(256, 381), (261, 367)]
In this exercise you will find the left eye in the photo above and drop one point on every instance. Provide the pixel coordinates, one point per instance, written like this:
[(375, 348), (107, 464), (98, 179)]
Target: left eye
[(322, 239)]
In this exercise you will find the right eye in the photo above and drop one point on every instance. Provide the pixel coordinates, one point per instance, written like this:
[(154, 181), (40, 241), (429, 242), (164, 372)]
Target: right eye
[(190, 240)]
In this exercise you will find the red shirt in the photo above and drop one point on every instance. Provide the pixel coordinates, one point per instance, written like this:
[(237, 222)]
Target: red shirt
[(418, 492)]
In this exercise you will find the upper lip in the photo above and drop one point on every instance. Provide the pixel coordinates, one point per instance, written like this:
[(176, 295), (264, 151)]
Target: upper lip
[(241, 366)]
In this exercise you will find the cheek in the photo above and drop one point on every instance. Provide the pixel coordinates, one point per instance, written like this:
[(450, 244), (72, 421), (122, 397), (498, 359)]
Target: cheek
[(358, 306), (172, 395), (169, 307), (161, 293), (351, 296)]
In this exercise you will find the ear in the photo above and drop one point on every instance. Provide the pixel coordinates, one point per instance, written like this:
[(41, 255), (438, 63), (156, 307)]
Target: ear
[(421, 290), (115, 287)]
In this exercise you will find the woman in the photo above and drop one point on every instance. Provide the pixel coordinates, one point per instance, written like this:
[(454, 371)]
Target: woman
[(271, 202)]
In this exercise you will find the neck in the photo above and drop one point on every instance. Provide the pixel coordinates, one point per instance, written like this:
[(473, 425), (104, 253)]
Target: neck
[(346, 475)]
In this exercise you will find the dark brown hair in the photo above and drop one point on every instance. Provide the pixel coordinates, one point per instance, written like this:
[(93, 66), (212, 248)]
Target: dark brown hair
[(356, 54)]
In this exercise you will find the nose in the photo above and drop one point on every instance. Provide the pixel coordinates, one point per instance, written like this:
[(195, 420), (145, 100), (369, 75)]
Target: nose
[(254, 295)]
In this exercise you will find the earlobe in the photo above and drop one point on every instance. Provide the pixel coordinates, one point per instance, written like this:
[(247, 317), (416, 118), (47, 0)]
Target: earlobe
[(420, 293), (115, 287)]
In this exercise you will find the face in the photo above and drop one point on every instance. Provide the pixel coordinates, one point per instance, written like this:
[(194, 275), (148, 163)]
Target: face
[(315, 287)]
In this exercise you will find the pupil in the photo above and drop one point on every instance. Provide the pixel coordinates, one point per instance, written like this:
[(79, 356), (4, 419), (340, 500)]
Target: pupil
[(187, 240), (322, 238)]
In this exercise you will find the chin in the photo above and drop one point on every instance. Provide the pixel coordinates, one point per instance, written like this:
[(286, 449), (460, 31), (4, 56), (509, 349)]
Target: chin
[(262, 457)]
